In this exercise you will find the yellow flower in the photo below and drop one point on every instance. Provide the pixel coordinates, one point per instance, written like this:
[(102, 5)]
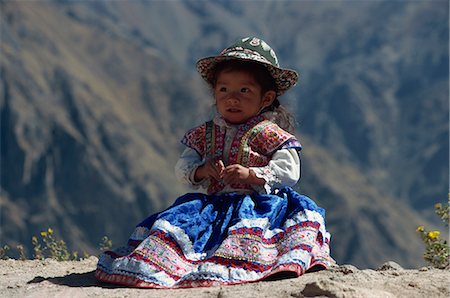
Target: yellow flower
[(433, 234), (420, 229), (44, 234), (438, 206), (50, 231)]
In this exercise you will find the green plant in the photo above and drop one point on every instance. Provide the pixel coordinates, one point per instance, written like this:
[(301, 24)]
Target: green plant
[(52, 247), (21, 250), (437, 250), (105, 244), (37, 249), (4, 252), (48, 246)]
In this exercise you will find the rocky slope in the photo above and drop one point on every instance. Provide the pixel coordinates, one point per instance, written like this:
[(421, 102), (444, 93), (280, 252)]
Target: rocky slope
[(96, 95)]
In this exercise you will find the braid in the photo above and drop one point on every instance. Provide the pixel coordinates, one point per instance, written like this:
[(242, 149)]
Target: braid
[(282, 116)]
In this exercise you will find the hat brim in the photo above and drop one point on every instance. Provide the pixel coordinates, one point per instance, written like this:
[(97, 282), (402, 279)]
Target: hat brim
[(284, 78)]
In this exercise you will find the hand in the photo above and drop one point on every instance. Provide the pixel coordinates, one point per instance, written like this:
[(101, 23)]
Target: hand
[(236, 174), (212, 168)]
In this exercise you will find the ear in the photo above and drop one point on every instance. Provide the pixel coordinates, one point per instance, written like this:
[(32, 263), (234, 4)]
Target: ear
[(268, 98)]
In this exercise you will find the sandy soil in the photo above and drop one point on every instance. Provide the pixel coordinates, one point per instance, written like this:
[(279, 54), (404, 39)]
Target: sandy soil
[(49, 278)]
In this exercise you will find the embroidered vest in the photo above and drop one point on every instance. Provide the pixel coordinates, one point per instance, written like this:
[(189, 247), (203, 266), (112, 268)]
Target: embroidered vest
[(253, 145)]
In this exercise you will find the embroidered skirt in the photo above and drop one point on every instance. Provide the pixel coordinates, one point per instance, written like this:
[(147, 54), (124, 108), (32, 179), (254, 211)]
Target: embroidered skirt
[(205, 240)]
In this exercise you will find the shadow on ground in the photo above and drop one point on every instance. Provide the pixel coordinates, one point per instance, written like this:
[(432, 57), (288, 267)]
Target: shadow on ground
[(86, 279)]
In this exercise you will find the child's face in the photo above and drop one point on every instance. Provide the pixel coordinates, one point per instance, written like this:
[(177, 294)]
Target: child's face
[(239, 97)]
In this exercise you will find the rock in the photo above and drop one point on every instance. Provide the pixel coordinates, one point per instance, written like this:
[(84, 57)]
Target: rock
[(49, 261), (92, 259), (333, 289), (390, 266), (321, 288), (369, 272), (346, 269)]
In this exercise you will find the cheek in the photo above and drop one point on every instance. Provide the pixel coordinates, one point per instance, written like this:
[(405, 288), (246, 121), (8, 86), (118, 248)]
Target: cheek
[(219, 103), (217, 96)]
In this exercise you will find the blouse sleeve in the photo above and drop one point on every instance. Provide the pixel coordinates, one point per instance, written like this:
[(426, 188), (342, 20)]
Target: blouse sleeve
[(283, 170), (185, 168)]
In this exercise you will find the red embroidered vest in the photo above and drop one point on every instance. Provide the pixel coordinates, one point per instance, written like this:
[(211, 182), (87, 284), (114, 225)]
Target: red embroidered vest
[(253, 145)]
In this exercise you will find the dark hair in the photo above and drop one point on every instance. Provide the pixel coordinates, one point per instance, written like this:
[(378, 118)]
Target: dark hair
[(267, 83), (257, 70)]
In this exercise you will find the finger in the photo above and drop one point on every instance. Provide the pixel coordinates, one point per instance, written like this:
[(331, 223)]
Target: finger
[(213, 164), (214, 173), (229, 168), (220, 166)]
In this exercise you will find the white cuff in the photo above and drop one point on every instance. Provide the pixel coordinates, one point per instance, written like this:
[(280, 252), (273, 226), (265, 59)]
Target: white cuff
[(186, 166), (282, 170)]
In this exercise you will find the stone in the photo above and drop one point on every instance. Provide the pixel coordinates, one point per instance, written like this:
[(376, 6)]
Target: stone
[(390, 266), (347, 269)]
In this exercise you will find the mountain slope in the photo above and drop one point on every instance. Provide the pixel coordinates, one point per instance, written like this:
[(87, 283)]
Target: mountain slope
[(95, 97), (78, 136), (367, 227)]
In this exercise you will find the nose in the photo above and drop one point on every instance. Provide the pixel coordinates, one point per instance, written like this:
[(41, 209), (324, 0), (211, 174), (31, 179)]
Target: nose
[(233, 98)]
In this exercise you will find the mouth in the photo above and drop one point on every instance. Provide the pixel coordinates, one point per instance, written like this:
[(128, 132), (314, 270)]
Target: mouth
[(233, 110)]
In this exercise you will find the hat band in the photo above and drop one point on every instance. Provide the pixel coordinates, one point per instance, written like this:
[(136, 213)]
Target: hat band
[(246, 54)]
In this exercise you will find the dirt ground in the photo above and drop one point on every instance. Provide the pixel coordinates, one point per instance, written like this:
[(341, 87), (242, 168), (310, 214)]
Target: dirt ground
[(49, 278)]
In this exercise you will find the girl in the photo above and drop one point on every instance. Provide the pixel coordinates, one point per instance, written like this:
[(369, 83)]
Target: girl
[(250, 224)]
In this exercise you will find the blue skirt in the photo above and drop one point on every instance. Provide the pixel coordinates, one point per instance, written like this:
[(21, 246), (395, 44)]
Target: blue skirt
[(205, 240)]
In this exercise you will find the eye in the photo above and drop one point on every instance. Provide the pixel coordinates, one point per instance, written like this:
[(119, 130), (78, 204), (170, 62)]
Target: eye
[(222, 89), (245, 90)]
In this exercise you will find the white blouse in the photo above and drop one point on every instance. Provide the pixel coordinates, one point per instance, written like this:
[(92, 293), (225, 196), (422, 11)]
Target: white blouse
[(282, 170)]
